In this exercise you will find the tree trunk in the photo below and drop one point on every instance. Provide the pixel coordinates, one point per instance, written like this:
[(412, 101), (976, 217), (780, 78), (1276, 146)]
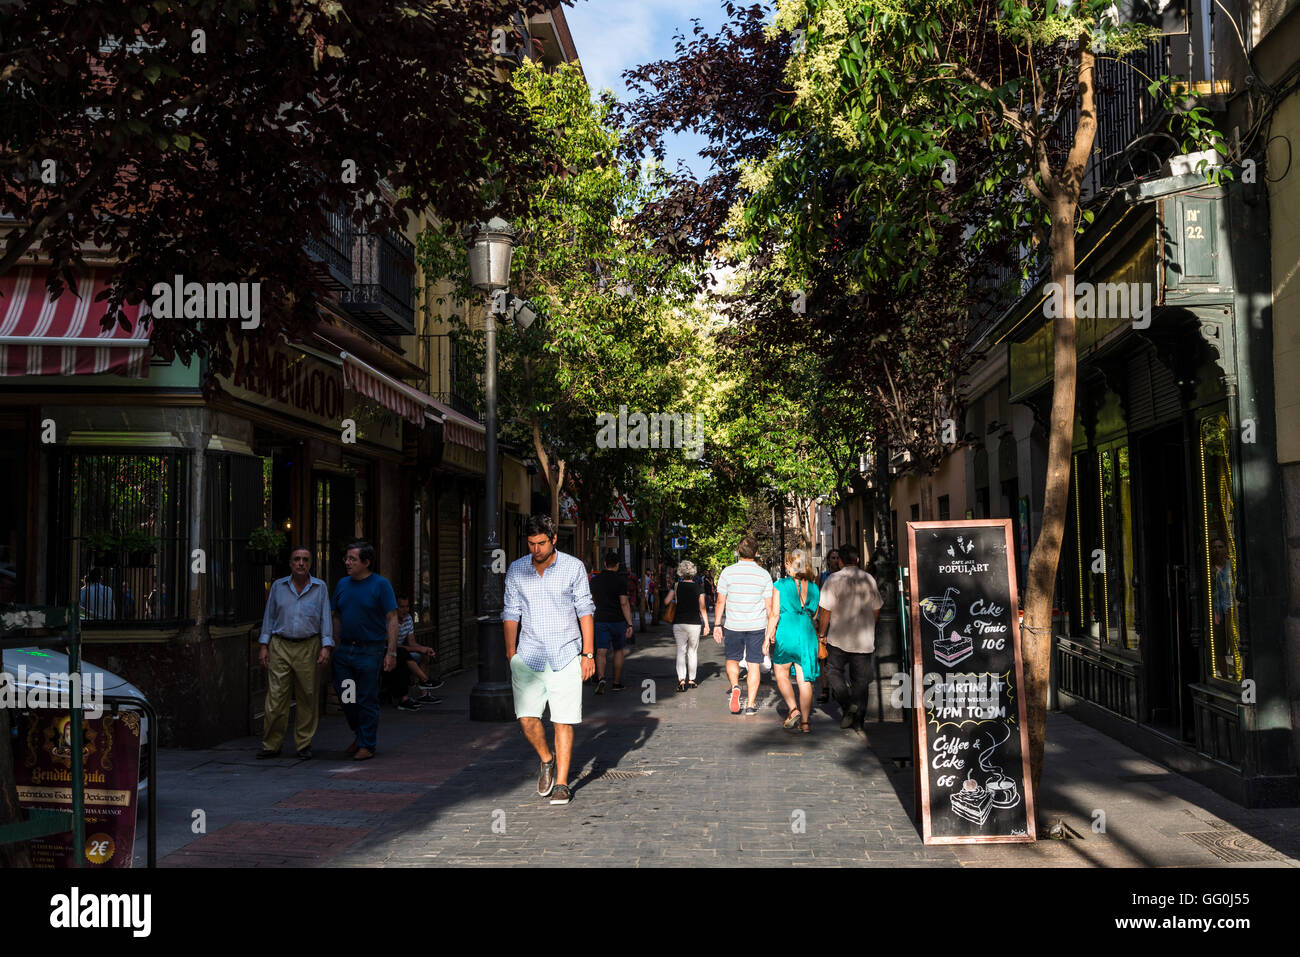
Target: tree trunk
[(556, 489), (1036, 632), (1062, 197)]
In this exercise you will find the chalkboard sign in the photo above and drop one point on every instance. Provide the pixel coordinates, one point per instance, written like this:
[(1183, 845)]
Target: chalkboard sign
[(968, 688)]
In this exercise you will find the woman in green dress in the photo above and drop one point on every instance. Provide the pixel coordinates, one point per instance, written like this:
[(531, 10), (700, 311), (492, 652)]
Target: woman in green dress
[(792, 605)]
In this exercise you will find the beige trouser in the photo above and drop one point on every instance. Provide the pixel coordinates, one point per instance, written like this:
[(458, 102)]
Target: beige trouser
[(292, 674)]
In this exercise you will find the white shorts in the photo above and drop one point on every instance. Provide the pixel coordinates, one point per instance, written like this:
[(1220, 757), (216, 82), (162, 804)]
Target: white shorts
[(534, 690)]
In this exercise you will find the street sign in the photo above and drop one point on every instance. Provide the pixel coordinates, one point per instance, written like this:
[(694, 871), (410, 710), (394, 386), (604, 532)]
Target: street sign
[(679, 543), (620, 514), (971, 749)]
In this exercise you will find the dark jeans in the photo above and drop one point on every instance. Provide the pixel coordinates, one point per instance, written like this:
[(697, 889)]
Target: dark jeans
[(363, 665), (850, 677)]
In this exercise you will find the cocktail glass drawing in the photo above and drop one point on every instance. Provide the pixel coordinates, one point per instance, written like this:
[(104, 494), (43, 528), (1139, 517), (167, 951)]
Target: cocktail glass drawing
[(940, 611)]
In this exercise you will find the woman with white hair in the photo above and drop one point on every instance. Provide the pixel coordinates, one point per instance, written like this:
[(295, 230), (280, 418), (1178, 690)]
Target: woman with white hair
[(692, 617)]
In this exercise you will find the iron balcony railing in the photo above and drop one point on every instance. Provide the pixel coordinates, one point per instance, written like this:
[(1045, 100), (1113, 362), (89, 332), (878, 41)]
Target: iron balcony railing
[(1125, 148), (1126, 114), (331, 252), (383, 283)]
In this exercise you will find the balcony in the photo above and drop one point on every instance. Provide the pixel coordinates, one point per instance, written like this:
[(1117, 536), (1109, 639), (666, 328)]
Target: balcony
[(453, 381), (1126, 112), (382, 296), (331, 253)]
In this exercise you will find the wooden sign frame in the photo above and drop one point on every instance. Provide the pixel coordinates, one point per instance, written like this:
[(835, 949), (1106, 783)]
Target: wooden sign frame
[(920, 738)]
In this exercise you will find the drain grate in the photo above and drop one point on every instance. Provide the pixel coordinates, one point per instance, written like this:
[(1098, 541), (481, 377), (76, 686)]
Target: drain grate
[(618, 774), (1233, 846)]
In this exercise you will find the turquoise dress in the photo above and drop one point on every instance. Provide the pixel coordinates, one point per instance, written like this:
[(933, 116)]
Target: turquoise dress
[(796, 635)]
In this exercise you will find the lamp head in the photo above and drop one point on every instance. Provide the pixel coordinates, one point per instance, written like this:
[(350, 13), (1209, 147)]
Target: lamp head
[(491, 249)]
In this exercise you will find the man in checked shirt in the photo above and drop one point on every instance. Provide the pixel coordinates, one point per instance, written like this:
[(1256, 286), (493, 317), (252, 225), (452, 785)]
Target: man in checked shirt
[(547, 618)]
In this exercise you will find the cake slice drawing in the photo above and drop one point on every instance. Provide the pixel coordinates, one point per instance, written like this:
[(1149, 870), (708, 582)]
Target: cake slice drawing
[(972, 802), (953, 649)]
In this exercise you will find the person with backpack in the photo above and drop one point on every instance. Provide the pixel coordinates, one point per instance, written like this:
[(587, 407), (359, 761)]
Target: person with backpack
[(792, 606)]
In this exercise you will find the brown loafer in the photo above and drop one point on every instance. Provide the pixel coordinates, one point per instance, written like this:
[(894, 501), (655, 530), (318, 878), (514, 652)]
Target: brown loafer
[(363, 754), (351, 748)]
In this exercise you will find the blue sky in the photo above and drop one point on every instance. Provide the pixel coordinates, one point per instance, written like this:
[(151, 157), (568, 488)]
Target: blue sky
[(616, 35)]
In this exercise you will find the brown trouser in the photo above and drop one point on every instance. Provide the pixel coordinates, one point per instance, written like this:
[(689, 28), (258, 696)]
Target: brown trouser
[(292, 674)]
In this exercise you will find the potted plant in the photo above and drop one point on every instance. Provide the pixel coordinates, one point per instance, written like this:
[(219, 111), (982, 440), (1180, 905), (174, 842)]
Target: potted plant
[(139, 546), (102, 546), (264, 544)]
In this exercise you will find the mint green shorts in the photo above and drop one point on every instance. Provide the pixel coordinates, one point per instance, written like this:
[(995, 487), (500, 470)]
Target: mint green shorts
[(534, 690)]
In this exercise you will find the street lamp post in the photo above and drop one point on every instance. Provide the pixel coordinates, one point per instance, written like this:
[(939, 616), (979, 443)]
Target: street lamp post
[(491, 248)]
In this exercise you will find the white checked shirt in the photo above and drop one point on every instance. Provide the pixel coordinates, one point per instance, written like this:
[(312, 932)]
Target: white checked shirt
[(548, 607)]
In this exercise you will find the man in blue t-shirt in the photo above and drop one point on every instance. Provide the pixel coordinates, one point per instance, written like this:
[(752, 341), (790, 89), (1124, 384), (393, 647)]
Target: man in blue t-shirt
[(365, 635)]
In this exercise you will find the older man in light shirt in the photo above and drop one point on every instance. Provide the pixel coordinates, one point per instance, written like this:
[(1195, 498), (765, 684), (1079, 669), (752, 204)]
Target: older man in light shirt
[(297, 637), (548, 623)]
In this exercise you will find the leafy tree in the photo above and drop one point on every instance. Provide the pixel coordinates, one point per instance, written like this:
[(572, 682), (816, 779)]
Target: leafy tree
[(208, 138), (615, 324)]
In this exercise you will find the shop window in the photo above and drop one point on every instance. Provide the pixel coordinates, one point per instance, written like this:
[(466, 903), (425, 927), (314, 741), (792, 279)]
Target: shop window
[(1219, 583), (1102, 563), (1081, 554), (119, 536), (1114, 585), (238, 501), (14, 573)]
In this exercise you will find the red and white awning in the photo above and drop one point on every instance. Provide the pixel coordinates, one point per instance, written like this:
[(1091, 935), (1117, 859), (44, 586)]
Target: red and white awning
[(64, 337), (396, 396), (461, 429)]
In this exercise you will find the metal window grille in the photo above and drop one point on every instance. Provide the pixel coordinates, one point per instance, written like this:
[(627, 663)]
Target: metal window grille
[(236, 504), (96, 499), (452, 377)]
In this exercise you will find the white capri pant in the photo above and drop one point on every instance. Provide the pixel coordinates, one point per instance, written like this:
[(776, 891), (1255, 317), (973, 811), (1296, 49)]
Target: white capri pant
[(688, 650)]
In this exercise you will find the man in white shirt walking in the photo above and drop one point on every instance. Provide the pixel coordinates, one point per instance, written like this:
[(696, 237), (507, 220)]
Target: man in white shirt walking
[(547, 620), (740, 622)]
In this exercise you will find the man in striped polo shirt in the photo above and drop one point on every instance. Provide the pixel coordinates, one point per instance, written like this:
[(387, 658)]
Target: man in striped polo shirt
[(740, 621)]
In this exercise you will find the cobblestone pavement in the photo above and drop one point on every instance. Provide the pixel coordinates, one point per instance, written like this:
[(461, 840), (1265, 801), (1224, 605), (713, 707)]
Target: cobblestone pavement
[(668, 779)]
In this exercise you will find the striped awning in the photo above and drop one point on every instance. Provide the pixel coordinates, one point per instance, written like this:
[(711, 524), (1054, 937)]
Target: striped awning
[(408, 402), (64, 337), (461, 429)]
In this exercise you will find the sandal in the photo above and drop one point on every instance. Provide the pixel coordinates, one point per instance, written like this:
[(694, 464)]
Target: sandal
[(805, 727), (792, 720), (691, 684), (681, 686)]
